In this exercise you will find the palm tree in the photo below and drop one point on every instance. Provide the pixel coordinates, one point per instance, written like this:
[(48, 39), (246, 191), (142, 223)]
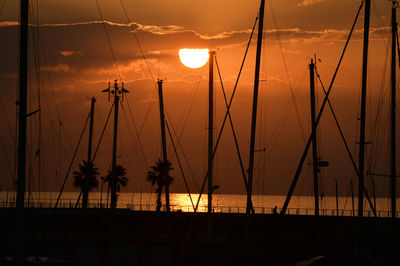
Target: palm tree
[(86, 180), (159, 174), (120, 180)]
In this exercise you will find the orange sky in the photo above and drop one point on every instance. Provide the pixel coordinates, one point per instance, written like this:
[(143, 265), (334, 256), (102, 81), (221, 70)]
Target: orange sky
[(75, 63)]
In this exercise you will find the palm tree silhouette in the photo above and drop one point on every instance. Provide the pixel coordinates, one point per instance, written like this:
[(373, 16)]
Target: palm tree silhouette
[(120, 180), (159, 174), (86, 180)]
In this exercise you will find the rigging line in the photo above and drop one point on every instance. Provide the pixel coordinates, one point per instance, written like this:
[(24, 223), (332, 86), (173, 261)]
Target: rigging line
[(138, 43), (38, 77), (53, 96), (287, 74), (232, 127), (205, 179), (377, 131), (109, 40), (398, 46), (337, 123), (230, 102), (2, 6), (147, 65), (72, 161), (79, 198), (138, 133), (378, 18), (181, 147), (276, 132), (6, 117), (180, 165), (300, 166), (51, 86), (102, 132), (191, 102), (138, 137), (7, 158)]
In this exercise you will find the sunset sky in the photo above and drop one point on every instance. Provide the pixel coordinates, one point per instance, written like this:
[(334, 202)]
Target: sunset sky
[(71, 61)]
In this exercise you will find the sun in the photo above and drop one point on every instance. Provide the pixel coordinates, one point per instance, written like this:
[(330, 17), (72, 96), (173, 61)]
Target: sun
[(194, 58)]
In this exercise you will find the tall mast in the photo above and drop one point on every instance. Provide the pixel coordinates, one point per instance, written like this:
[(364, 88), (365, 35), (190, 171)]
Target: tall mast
[(393, 113), (361, 170), (163, 139), (93, 100), (116, 92), (314, 138), (113, 180), (210, 129), (254, 113), (22, 103)]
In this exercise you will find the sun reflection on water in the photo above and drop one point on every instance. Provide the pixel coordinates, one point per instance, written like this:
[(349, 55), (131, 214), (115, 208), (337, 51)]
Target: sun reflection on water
[(184, 203)]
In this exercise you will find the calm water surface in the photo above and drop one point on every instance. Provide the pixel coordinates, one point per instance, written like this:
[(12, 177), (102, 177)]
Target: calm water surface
[(183, 202)]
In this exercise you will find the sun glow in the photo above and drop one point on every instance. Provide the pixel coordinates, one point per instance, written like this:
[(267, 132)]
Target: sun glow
[(194, 58)]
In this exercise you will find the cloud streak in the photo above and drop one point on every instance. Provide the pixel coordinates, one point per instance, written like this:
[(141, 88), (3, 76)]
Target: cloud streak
[(306, 3)]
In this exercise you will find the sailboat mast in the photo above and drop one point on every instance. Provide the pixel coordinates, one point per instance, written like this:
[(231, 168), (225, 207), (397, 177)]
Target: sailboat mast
[(210, 129), (113, 181), (361, 170), (314, 137), (92, 102), (22, 103), (393, 113), (163, 139), (254, 113)]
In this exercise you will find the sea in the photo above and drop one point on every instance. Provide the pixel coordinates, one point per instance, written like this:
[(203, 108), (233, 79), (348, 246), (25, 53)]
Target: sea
[(222, 203)]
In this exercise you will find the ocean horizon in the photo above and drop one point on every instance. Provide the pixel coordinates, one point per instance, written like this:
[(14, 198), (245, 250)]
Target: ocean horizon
[(227, 203)]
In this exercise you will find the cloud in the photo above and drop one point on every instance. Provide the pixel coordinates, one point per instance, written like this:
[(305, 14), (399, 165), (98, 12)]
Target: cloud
[(69, 53), (57, 68), (8, 23), (305, 3)]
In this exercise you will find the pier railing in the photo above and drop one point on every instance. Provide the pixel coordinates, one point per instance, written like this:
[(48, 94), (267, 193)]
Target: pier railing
[(70, 204)]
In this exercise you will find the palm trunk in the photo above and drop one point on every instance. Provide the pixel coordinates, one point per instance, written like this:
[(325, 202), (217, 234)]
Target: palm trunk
[(159, 204), (85, 198), (114, 198)]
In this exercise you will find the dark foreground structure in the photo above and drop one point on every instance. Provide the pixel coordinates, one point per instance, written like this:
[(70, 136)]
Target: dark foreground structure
[(100, 237)]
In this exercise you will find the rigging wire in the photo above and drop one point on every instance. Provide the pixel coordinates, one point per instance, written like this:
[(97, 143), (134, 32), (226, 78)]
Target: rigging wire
[(138, 43), (108, 40), (299, 168), (3, 146), (2, 6), (185, 117), (138, 133), (148, 69), (287, 74), (179, 163), (337, 123), (276, 132), (378, 131), (102, 132), (226, 114), (72, 161), (178, 139), (189, 104), (232, 126), (10, 128), (38, 153)]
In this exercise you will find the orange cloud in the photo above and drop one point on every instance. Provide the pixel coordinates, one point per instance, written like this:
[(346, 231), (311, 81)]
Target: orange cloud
[(58, 68), (69, 53), (310, 2)]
